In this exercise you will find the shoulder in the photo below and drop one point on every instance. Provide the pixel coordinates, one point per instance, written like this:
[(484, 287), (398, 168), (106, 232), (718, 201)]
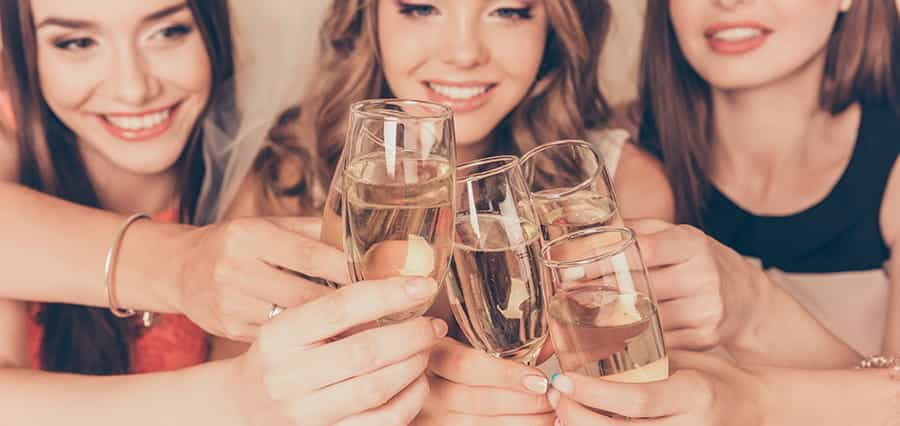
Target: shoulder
[(9, 157), (642, 187)]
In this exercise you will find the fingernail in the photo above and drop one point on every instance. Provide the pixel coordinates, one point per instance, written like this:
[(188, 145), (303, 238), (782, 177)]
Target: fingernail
[(536, 384), (562, 383), (558, 422), (553, 397), (574, 273), (440, 327), (421, 288)]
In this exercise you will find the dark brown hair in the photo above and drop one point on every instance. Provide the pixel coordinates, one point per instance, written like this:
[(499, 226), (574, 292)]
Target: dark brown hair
[(564, 102), (81, 339), (861, 66)]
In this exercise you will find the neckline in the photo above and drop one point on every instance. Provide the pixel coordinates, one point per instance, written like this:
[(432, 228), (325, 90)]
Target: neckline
[(842, 181)]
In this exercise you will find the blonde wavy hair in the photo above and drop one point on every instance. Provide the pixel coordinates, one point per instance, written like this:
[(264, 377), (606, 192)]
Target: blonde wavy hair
[(564, 102)]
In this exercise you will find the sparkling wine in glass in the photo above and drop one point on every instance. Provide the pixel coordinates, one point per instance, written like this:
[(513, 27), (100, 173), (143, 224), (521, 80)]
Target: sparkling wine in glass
[(398, 192), (494, 285), (570, 187), (604, 321)]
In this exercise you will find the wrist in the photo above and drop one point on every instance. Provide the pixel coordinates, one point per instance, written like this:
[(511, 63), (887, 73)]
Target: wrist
[(742, 331), (149, 266)]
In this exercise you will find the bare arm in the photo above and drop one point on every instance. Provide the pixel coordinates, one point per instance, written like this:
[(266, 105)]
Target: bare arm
[(190, 396), (53, 251), (642, 187), (890, 224)]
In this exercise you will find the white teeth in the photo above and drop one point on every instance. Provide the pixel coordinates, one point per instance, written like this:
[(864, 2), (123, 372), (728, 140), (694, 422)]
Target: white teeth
[(737, 34), (461, 93), (143, 122)]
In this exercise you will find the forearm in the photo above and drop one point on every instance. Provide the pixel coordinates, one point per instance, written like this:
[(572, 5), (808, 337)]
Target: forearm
[(776, 330), (54, 251), (826, 398), (194, 396)]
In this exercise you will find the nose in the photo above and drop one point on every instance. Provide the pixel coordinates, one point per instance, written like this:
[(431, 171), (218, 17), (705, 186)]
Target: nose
[(131, 79), (463, 46)]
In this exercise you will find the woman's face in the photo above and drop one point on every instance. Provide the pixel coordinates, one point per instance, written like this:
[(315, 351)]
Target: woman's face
[(738, 44), (129, 77), (480, 57)]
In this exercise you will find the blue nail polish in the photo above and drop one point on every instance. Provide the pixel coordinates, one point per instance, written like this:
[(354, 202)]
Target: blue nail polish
[(554, 376)]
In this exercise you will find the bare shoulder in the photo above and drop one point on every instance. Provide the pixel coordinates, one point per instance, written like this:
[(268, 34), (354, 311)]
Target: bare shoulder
[(642, 187), (890, 211), (9, 157), (13, 337)]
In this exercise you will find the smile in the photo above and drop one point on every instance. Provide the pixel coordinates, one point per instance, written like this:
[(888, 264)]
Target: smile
[(140, 126), (461, 97)]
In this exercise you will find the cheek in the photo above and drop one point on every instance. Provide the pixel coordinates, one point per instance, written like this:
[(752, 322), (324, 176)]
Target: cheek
[(519, 55), (188, 68), (65, 84)]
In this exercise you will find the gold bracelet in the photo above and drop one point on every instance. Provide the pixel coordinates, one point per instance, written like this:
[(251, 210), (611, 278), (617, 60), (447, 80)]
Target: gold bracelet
[(109, 268)]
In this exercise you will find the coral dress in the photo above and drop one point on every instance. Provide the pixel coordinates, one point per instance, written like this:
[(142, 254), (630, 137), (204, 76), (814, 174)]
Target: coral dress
[(171, 343)]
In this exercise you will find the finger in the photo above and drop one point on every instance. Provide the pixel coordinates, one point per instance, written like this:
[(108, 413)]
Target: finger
[(360, 394), (309, 227), (399, 411), (280, 287), (571, 413), (692, 339), (358, 354), (672, 246), (641, 400), (692, 312), (648, 226), (675, 281), (486, 401), (458, 363), (351, 306), (303, 254)]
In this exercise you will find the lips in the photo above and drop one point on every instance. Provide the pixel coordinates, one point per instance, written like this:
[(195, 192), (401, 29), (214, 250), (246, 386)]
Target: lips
[(142, 126), (461, 97), (736, 38)]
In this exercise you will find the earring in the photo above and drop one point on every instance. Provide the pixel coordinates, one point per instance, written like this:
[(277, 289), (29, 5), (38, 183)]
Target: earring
[(846, 5)]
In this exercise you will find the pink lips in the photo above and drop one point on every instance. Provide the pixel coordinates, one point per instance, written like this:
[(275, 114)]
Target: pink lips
[(739, 46)]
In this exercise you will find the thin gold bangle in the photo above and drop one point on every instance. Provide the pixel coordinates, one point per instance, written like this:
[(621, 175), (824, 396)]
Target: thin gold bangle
[(109, 268)]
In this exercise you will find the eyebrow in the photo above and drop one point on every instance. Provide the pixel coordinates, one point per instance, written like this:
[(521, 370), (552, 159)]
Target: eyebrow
[(77, 24)]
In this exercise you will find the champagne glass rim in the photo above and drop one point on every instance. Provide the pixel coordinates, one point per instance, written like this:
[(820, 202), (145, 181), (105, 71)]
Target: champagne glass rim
[(507, 162), (581, 186), (366, 109), (608, 251)]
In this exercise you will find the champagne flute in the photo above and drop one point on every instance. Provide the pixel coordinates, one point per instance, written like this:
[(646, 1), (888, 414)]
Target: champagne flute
[(604, 321), (570, 187), (494, 286), (398, 187)]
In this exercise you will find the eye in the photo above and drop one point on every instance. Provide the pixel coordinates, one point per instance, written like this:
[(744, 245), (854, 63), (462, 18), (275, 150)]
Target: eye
[(75, 44), (417, 10), (175, 31), (514, 13)]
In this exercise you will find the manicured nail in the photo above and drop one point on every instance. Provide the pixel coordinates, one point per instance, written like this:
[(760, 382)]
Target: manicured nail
[(574, 273), (562, 383), (553, 397), (558, 422), (440, 327), (421, 288), (536, 384)]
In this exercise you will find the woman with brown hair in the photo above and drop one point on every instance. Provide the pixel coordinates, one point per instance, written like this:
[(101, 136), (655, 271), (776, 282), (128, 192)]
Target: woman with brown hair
[(517, 73), (110, 101), (777, 122)]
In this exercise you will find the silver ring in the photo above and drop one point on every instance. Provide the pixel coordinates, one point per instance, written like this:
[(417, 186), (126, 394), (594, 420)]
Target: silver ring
[(275, 311)]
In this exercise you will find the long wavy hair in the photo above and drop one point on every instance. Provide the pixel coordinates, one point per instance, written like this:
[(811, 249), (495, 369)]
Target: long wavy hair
[(564, 102), (81, 339), (862, 65)]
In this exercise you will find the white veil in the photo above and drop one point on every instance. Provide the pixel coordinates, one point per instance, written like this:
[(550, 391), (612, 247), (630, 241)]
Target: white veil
[(275, 43)]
